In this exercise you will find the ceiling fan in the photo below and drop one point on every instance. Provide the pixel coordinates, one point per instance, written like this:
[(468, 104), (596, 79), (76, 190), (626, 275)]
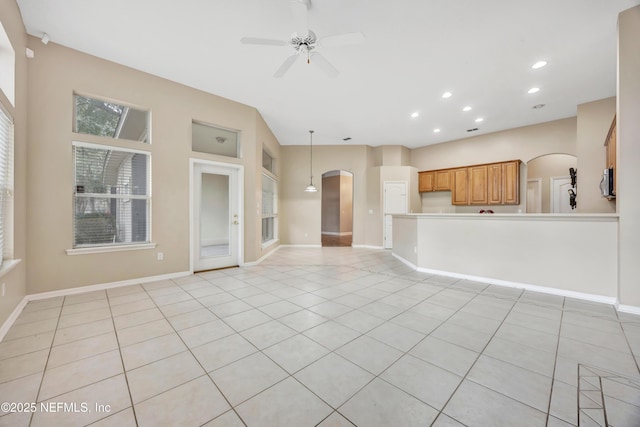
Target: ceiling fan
[(304, 41)]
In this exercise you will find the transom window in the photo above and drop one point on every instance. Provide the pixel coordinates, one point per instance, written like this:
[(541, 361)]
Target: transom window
[(214, 140), (267, 161), (105, 118)]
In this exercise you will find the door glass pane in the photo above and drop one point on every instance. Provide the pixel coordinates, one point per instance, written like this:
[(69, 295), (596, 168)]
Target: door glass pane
[(215, 220)]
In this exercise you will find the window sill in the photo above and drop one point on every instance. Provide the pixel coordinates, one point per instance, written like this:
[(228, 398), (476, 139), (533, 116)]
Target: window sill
[(270, 243), (105, 249), (8, 265)]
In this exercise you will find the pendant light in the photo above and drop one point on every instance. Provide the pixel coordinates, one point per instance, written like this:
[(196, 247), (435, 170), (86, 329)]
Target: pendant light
[(311, 188)]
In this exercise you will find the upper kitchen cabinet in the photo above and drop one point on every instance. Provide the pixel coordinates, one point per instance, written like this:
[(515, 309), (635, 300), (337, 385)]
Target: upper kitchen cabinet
[(439, 180), (425, 181)]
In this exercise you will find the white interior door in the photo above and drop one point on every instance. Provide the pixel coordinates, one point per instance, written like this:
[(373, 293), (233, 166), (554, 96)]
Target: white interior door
[(395, 202), (216, 218), (560, 198)]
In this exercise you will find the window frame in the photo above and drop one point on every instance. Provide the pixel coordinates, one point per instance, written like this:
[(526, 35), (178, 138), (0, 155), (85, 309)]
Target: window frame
[(7, 261), (102, 247), (273, 215), (126, 105)]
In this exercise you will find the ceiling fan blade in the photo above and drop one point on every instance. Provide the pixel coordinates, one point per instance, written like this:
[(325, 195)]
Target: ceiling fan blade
[(342, 39), (285, 66), (324, 65), (299, 9), (260, 41)]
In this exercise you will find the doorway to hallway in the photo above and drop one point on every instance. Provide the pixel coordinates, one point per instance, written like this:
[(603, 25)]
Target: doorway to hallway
[(337, 208)]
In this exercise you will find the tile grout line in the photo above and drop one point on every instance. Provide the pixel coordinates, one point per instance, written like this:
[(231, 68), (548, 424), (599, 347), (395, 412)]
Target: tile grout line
[(555, 364), (44, 370), (206, 374), (124, 369)]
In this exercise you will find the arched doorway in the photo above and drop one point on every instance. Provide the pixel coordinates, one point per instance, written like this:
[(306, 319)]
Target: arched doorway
[(547, 175), (337, 208)]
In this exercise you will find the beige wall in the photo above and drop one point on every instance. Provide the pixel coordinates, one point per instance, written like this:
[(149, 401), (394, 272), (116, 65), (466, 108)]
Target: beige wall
[(628, 156), (546, 167), (300, 221), (54, 74), (16, 280), (594, 121), (346, 204), (523, 143)]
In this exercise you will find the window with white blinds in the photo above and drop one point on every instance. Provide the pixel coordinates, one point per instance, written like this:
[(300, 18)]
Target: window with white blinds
[(111, 197), (6, 186), (269, 209)]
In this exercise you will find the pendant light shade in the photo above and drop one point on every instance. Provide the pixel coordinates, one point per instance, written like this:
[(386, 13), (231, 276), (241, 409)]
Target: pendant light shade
[(311, 188)]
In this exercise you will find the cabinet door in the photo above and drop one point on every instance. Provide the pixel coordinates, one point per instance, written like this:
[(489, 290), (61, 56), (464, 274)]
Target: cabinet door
[(494, 179), (459, 189), (511, 183), (442, 181), (425, 181), (478, 185)]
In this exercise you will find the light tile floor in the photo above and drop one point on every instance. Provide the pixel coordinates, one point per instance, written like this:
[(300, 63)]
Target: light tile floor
[(321, 336)]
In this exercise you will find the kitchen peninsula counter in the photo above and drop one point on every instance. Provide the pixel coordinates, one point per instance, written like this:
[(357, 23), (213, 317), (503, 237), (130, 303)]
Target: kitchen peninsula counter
[(566, 254)]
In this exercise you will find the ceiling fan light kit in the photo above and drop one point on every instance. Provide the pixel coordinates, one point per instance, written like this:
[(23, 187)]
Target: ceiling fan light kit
[(306, 41)]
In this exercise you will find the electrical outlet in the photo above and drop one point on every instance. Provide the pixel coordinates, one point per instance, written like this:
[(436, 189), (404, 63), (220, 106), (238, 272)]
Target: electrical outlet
[(160, 256), (3, 289)]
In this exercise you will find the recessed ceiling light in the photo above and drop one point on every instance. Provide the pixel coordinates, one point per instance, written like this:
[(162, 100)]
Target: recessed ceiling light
[(447, 95), (479, 119), (436, 130), (414, 115), (539, 64), (467, 108), (534, 90), (538, 106)]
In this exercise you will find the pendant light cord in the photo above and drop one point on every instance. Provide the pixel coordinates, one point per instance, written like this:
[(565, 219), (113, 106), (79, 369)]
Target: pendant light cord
[(311, 157)]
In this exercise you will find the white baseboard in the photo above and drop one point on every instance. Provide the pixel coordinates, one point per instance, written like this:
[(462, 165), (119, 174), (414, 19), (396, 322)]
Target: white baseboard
[(334, 233), (517, 285), (367, 247), (404, 261), (631, 309), (12, 318), (262, 258), (80, 290)]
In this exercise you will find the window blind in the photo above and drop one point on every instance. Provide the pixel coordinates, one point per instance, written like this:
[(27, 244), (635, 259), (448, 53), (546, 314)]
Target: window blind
[(112, 196), (269, 209), (6, 186)]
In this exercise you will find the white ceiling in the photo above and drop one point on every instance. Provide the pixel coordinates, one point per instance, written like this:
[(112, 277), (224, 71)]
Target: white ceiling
[(414, 51)]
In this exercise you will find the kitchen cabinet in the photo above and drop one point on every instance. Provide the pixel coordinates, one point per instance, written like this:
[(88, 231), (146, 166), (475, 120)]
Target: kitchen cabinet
[(511, 183), (459, 187), (477, 176), (425, 181), (485, 184), (439, 180), (442, 181), (494, 184)]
